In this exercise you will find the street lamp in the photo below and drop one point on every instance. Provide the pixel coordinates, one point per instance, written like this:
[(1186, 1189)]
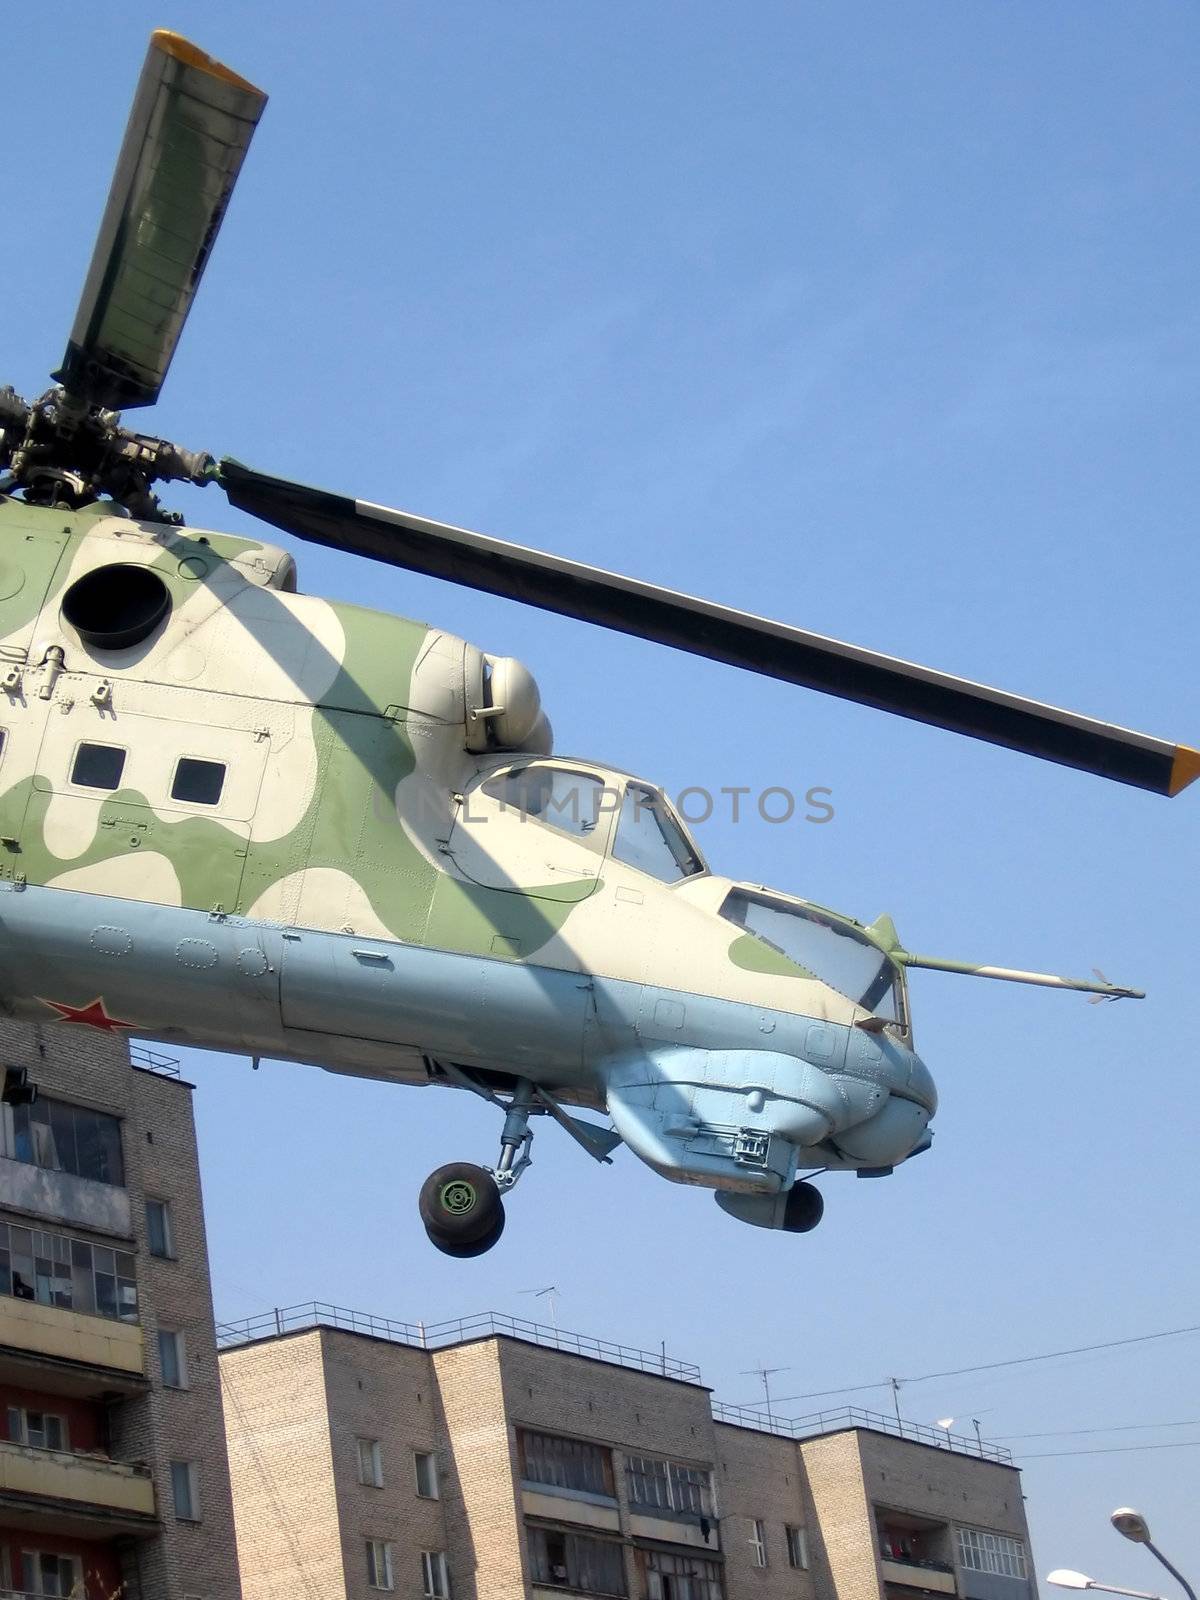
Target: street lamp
[(1133, 1525), (1066, 1579)]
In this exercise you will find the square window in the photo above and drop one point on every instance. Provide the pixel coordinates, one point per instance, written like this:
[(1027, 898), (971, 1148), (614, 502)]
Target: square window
[(370, 1463), (185, 1490), (159, 1233), (379, 1564), (172, 1359), (425, 1463), (98, 766), (198, 782)]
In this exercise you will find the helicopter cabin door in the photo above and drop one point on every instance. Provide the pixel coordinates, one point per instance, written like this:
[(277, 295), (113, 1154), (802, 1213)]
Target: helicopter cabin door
[(538, 829), (138, 795)]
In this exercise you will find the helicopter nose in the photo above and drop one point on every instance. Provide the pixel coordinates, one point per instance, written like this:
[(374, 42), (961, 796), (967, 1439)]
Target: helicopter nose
[(895, 1132)]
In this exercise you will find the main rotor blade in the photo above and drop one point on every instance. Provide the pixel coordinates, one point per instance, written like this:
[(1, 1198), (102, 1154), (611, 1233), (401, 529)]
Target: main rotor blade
[(188, 131), (704, 628)]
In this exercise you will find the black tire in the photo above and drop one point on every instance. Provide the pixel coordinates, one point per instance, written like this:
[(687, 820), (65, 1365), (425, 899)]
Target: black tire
[(805, 1208), (465, 1251), (460, 1204)]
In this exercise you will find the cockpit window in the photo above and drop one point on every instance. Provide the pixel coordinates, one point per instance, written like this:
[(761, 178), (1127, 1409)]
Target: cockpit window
[(557, 797), (650, 839), (831, 951)]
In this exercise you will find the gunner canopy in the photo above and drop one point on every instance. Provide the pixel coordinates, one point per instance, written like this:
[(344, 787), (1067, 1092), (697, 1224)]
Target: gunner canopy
[(832, 951)]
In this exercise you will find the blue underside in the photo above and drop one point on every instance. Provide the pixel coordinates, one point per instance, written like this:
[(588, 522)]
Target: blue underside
[(688, 1079)]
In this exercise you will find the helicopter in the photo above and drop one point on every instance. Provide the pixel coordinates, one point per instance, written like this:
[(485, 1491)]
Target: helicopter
[(244, 818)]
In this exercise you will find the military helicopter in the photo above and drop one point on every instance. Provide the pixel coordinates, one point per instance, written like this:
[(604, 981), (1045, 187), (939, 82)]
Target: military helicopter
[(245, 818)]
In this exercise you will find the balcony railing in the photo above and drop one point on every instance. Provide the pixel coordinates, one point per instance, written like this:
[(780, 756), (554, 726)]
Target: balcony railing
[(926, 1563), (852, 1417), (443, 1335)]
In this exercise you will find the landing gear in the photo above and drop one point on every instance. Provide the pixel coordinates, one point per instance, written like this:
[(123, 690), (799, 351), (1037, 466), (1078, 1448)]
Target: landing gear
[(804, 1209), (461, 1209), (461, 1204)]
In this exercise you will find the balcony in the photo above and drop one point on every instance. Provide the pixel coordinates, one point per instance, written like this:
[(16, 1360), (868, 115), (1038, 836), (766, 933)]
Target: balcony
[(68, 1352), (908, 1572), (73, 1494)]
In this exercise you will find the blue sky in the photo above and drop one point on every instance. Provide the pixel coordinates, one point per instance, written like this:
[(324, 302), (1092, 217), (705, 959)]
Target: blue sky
[(879, 317)]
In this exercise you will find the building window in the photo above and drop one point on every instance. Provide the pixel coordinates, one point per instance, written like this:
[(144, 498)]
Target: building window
[(185, 1490), (64, 1138), (561, 1560), (57, 1270), (160, 1234), (566, 1463), (435, 1575), (797, 1548), (172, 1358), (758, 1543), (98, 766), (668, 1486), (425, 1466), (45, 1574), (379, 1564), (991, 1552), (681, 1577), (198, 782), (40, 1430), (370, 1463)]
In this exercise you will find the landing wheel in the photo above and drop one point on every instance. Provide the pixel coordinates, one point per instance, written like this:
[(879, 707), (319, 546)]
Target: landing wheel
[(461, 1209), (805, 1208), (466, 1251)]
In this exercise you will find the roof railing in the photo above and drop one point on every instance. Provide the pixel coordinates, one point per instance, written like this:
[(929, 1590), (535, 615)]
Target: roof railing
[(852, 1417), (455, 1331), (491, 1324), (141, 1055)]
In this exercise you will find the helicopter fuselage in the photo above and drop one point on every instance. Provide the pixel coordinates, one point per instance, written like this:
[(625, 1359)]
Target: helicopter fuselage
[(247, 819)]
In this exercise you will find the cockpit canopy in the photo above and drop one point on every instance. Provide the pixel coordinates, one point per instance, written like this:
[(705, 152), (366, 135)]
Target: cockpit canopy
[(825, 947), (648, 835)]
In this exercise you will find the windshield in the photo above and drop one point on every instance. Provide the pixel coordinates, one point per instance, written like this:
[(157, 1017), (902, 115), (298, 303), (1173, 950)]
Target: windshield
[(829, 950), (651, 839)]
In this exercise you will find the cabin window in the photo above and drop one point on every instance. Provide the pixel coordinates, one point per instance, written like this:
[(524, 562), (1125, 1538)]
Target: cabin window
[(650, 838), (198, 782), (98, 766), (571, 802)]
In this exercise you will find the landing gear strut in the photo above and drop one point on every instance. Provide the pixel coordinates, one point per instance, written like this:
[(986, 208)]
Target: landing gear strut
[(461, 1204)]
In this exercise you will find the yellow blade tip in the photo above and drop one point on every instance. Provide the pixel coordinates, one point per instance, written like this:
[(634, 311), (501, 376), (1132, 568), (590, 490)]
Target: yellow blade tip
[(191, 55), (1185, 768)]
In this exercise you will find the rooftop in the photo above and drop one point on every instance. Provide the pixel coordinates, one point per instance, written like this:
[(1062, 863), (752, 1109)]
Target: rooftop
[(284, 1320)]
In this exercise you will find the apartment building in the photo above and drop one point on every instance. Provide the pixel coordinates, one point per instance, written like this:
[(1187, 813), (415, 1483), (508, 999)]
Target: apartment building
[(113, 1475), (496, 1460)]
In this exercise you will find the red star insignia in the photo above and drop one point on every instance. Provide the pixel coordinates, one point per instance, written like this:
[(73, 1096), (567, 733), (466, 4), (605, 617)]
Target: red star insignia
[(94, 1015)]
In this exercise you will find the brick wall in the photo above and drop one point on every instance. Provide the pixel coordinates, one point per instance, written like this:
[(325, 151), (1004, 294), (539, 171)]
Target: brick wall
[(845, 1565), (760, 1478), (382, 1391), (281, 1470), (87, 1067)]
